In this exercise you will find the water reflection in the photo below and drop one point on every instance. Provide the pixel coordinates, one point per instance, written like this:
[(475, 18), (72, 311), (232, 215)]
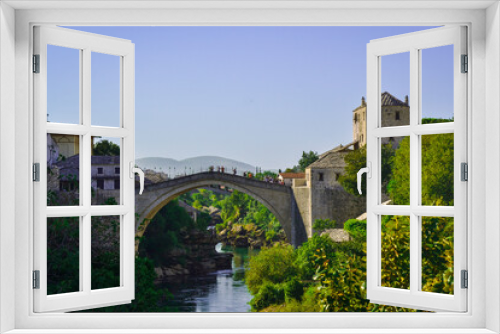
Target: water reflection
[(220, 291)]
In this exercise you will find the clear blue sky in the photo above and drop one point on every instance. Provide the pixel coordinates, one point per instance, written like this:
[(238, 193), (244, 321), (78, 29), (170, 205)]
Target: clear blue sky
[(261, 95)]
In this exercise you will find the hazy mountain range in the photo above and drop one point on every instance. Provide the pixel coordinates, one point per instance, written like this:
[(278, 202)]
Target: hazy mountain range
[(192, 165)]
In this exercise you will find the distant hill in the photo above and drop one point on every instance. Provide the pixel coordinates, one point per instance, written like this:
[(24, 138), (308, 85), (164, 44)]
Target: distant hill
[(196, 164)]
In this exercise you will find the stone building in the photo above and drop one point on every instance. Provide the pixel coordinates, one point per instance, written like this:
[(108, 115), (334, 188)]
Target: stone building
[(320, 196), (394, 113), (105, 171)]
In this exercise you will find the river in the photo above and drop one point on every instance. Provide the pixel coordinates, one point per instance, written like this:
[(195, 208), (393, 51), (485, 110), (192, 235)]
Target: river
[(220, 291)]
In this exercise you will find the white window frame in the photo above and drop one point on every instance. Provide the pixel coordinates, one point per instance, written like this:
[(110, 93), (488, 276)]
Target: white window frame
[(86, 44), (413, 44), (483, 20)]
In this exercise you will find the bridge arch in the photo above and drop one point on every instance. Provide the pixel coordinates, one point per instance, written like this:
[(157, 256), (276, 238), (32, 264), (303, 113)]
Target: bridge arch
[(277, 198)]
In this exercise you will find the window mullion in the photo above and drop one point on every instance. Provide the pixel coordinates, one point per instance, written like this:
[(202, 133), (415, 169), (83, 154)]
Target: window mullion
[(85, 174), (414, 169), (86, 265)]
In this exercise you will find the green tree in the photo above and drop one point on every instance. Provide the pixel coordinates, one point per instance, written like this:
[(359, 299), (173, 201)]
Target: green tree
[(356, 160), (148, 297), (307, 159), (106, 148), (437, 156), (323, 224), (274, 265), (164, 233)]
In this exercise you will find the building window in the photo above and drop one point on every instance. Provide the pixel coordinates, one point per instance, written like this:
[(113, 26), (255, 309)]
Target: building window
[(100, 170), (320, 177), (117, 184), (117, 170), (397, 116), (66, 185), (100, 184)]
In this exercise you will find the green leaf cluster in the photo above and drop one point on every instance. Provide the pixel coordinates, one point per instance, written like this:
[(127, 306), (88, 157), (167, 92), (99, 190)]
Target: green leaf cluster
[(324, 224), (307, 159), (272, 265), (237, 208), (106, 148), (165, 233), (63, 264), (356, 160)]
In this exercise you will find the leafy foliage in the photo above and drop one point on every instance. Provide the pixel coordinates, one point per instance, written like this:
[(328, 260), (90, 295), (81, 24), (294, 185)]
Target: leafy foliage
[(164, 232), (307, 159), (237, 208), (272, 265), (305, 255), (437, 254), (148, 297), (324, 224), (395, 245), (437, 170), (356, 160), (106, 148), (63, 265), (62, 255), (356, 229), (268, 294)]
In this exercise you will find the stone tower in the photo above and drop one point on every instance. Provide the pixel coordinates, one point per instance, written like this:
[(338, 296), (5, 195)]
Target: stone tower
[(394, 113)]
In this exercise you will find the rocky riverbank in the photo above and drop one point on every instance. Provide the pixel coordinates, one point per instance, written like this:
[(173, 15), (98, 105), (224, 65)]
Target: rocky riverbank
[(197, 256), (249, 235)]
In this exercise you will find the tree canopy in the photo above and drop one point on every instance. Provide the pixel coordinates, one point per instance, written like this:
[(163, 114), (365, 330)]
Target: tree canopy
[(106, 148), (356, 160), (307, 159)]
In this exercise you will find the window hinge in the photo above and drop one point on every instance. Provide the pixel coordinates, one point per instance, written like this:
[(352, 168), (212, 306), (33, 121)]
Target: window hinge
[(465, 64), (36, 172), (36, 63), (464, 167), (36, 279), (465, 279)]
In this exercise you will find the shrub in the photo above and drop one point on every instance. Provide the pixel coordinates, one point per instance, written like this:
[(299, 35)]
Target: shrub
[(267, 295), (148, 297), (274, 265), (294, 289), (305, 255), (356, 229), (324, 224)]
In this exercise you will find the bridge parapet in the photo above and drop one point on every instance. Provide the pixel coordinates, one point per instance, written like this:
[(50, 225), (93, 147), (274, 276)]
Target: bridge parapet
[(217, 176)]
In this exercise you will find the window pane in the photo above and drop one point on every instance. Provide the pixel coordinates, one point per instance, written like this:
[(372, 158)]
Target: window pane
[(395, 252), (105, 252), (63, 255), (63, 85), (395, 76), (105, 164), (437, 84), (106, 79), (395, 160), (63, 170), (437, 255), (437, 169)]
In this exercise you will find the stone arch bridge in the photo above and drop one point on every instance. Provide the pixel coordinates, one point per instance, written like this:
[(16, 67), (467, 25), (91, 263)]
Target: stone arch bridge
[(279, 199)]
